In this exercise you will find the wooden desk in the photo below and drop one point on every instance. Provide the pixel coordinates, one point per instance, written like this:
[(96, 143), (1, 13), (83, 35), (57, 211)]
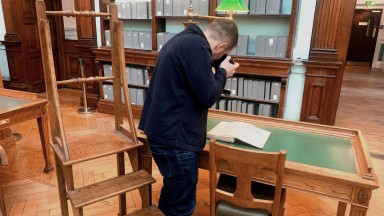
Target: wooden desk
[(321, 160), (18, 106)]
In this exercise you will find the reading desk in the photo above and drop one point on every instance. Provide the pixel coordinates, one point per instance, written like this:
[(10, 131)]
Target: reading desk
[(18, 106), (322, 160)]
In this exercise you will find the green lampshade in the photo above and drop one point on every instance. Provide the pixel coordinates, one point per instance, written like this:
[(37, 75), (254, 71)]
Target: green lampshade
[(232, 5)]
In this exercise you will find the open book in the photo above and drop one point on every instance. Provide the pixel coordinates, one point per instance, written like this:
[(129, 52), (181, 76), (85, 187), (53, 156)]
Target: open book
[(247, 133)]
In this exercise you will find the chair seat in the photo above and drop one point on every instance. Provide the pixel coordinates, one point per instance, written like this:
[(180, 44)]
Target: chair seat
[(224, 208), (259, 191), (96, 144)]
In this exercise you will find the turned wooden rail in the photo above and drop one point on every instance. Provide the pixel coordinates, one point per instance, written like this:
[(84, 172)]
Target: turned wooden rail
[(73, 13), (87, 79)]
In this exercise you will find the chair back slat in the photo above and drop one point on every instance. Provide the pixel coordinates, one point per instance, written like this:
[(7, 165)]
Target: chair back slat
[(245, 165)]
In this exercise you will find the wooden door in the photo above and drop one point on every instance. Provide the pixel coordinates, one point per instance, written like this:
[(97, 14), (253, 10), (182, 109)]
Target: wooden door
[(365, 28)]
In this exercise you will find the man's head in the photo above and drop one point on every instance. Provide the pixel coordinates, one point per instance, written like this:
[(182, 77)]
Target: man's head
[(222, 36)]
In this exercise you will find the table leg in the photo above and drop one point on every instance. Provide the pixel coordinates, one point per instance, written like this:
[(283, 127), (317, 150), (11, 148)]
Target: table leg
[(44, 137), (358, 210), (341, 208)]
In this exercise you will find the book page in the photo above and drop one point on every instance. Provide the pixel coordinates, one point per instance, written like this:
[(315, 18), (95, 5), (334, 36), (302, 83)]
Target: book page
[(247, 133), (250, 134)]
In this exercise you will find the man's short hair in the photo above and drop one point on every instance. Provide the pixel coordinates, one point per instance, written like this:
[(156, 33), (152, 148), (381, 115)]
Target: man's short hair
[(226, 30)]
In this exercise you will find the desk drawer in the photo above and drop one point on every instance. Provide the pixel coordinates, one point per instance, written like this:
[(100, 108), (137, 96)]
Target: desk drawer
[(5, 122)]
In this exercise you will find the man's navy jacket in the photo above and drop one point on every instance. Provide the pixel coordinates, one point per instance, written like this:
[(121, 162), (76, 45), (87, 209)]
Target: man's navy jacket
[(181, 90)]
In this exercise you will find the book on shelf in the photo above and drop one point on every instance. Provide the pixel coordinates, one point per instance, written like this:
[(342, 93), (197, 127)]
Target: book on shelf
[(244, 132)]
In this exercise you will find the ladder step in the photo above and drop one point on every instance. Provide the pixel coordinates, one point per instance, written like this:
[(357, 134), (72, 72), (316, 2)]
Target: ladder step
[(109, 188), (151, 210)]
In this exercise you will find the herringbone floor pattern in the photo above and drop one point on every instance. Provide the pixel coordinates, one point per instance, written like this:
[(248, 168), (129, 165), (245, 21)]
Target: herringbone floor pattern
[(28, 191)]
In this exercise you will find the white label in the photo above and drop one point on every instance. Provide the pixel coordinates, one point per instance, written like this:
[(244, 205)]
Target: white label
[(105, 96), (233, 92), (166, 1), (159, 13), (147, 82), (142, 45), (363, 23), (274, 97), (108, 43), (270, 42)]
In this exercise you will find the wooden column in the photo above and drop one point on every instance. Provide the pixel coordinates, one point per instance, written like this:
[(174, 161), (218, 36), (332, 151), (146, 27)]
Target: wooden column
[(325, 67)]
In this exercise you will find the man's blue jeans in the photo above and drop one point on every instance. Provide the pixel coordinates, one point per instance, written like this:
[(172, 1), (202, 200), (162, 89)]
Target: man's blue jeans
[(179, 167)]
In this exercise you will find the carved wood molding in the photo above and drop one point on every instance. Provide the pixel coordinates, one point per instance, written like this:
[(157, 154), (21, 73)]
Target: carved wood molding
[(331, 29)]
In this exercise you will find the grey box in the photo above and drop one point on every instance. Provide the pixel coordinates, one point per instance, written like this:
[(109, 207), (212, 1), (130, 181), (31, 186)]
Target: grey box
[(234, 51), (261, 109), (134, 10), (135, 40), (128, 75), (286, 7), (203, 7), (281, 46), (267, 91), (133, 76), (238, 107), (149, 11), (245, 87), (270, 46), (242, 45), (234, 86), (128, 10), (141, 40), (260, 6), (244, 107), (168, 8), (255, 87), (260, 45), (196, 6), (139, 76), (251, 108), (118, 5), (222, 104), (177, 8), (229, 105), (273, 7), (128, 39), (228, 84), (249, 88), (234, 105), (142, 10), (140, 97), (123, 10), (240, 89), (110, 92), (159, 7), (148, 40), (160, 40), (133, 95), (246, 3), (275, 91), (261, 90), (107, 70), (185, 7), (105, 92), (107, 38), (267, 110), (146, 77)]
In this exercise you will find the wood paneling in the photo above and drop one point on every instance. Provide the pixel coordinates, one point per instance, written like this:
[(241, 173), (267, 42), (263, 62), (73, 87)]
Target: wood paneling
[(325, 67)]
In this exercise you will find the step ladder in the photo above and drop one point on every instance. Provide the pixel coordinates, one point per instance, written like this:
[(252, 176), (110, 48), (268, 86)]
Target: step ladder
[(117, 141)]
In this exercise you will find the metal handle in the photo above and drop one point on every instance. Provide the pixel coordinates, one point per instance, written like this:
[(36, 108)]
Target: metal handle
[(368, 27)]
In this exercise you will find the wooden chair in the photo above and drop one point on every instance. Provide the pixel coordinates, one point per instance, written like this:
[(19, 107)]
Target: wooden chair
[(101, 143), (238, 197)]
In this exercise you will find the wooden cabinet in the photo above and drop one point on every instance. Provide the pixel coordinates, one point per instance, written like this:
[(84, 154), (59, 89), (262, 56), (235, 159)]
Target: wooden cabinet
[(270, 68)]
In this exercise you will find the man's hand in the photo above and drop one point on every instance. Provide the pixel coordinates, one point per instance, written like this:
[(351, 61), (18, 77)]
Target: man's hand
[(229, 67)]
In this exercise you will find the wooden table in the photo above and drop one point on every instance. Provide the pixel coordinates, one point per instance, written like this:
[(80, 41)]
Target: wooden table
[(18, 106), (321, 160)]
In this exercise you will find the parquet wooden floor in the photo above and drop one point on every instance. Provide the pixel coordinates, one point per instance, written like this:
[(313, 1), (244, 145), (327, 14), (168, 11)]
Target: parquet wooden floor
[(28, 191)]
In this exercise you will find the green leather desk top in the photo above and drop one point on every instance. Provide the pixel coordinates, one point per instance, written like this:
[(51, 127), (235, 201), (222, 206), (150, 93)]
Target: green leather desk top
[(10, 102), (312, 149)]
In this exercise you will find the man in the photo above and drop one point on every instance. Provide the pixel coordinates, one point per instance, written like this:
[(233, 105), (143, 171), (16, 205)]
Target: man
[(174, 116)]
